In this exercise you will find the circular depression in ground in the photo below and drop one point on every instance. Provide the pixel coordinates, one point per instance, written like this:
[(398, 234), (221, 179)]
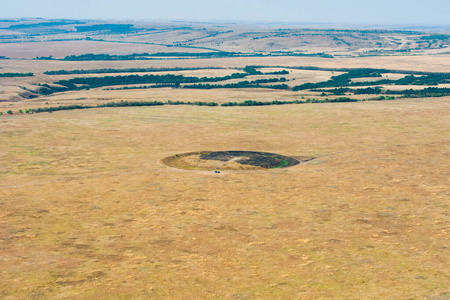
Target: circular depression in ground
[(232, 161)]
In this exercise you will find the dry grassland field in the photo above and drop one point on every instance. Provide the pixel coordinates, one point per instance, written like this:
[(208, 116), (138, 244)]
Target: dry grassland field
[(335, 194)]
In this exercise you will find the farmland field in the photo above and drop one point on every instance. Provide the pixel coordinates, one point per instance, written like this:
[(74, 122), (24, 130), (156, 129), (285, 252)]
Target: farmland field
[(89, 209)]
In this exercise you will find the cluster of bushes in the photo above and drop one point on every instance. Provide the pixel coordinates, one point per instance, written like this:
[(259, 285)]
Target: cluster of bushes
[(197, 103), (239, 85), (10, 112), (342, 83), (64, 86), (283, 72), (291, 53), (427, 92), (341, 91), (410, 93), (242, 84), (276, 102), (268, 80), (128, 70), (344, 80), (367, 91), (381, 71), (137, 56), (94, 82), (61, 107), (143, 87), (321, 54), (159, 103), (112, 28), (118, 104), (16, 74), (215, 54), (45, 24), (90, 56), (340, 80), (260, 103), (435, 37), (251, 70), (223, 78), (379, 98), (430, 79)]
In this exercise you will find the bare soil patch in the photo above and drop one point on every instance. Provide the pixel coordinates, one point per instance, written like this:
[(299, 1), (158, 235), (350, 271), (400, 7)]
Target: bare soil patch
[(232, 160)]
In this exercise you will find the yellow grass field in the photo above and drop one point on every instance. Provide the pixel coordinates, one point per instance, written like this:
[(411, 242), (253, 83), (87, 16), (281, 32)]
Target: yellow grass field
[(88, 211), (120, 203)]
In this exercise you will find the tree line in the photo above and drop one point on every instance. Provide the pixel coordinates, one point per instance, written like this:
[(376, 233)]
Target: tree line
[(160, 103), (341, 83), (80, 83), (141, 56), (345, 80), (16, 74), (128, 70)]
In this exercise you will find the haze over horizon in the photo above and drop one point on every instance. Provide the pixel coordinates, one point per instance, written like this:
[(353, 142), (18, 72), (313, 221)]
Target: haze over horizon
[(383, 12)]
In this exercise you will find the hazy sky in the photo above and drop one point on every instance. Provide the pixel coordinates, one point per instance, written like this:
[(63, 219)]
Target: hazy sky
[(321, 11)]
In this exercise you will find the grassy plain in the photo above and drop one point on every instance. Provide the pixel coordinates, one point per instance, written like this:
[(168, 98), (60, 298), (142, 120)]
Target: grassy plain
[(88, 210)]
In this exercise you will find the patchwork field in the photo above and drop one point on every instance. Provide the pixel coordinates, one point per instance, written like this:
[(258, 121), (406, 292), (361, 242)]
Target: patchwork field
[(15, 91)]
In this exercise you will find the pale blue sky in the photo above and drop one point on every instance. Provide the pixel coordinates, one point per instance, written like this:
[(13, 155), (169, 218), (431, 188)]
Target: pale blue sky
[(320, 11)]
